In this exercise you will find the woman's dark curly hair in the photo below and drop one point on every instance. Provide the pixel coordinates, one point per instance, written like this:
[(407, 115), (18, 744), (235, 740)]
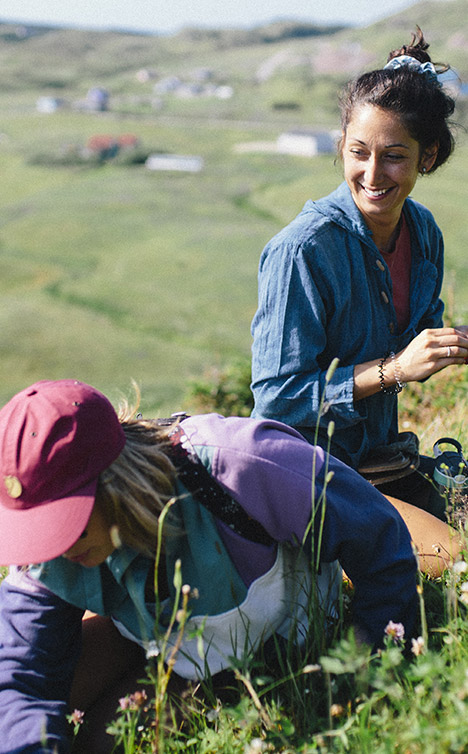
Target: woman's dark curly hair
[(419, 100)]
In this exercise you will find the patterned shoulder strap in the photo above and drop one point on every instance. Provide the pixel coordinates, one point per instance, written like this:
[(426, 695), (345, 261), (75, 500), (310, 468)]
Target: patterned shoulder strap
[(207, 491)]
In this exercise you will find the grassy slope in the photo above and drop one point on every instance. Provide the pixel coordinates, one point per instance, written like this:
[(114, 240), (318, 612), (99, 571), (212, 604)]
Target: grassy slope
[(115, 273)]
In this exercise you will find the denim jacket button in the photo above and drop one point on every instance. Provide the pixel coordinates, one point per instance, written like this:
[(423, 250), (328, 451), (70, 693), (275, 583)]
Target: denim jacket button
[(380, 265), (391, 327), (384, 296)]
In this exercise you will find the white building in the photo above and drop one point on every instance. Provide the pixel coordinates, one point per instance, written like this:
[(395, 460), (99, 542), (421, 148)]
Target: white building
[(178, 162), (306, 143), (49, 104)]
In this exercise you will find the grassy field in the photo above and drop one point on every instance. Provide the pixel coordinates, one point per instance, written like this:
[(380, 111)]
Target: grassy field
[(115, 273)]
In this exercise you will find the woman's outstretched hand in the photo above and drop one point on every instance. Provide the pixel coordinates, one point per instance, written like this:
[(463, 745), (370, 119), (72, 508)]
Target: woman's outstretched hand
[(433, 350)]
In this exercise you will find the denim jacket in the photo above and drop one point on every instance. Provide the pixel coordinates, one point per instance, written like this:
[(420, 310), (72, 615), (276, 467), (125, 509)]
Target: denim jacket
[(325, 292)]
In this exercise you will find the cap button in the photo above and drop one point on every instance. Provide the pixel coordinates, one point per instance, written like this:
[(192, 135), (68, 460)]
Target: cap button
[(13, 486)]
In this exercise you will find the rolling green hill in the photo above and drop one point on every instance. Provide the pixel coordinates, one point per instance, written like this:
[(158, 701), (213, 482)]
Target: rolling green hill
[(109, 272), (304, 59)]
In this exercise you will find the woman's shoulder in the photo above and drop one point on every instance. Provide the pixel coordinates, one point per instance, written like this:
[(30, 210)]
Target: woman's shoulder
[(245, 453), (419, 211), (236, 432), (422, 218), (319, 221)]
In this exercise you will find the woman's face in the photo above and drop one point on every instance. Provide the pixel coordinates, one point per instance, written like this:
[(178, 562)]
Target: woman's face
[(381, 164), (95, 543)]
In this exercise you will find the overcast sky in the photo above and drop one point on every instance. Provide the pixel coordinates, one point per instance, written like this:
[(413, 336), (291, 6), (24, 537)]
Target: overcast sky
[(171, 15)]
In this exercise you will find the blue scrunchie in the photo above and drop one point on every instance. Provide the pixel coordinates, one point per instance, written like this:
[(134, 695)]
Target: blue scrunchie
[(406, 61)]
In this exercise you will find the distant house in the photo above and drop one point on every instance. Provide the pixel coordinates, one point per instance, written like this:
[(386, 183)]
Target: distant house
[(144, 75), (224, 92), (167, 85), (49, 104), (128, 141), (106, 146), (188, 90), (97, 99), (302, 143), (101, 145), (201, 85), (306, 143), (177, 162), (202, 74)]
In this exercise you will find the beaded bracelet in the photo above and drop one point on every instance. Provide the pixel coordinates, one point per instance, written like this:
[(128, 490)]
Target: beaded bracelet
[(397, 372), (396, 368)]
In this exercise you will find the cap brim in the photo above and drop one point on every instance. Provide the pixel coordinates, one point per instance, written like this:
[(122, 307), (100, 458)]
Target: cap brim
[(45, 531)]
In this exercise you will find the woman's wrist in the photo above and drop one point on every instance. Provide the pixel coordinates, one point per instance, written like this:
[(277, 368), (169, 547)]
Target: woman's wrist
[(397, 370), (385, 382)]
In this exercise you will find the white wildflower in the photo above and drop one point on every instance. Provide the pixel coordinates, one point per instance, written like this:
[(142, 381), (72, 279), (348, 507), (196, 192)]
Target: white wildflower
[(417, 646), (458, 569), (152, 649), (311, 669), (213, 714), (464, 593), (256, 746)]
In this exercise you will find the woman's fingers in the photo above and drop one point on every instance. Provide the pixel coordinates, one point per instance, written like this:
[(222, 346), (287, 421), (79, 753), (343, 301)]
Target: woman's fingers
[(433, 350)]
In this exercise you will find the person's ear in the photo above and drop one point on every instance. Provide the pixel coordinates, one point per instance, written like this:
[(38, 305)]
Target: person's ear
[(428, 158)]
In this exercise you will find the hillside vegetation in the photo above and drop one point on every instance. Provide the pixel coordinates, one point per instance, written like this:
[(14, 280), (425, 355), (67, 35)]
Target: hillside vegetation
[(111, 273)]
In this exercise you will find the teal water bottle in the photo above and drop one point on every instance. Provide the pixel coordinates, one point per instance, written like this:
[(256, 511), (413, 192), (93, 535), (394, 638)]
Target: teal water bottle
[(451, 469)]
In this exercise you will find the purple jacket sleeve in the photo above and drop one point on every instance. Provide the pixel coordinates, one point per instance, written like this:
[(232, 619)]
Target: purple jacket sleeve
[(39, 645)]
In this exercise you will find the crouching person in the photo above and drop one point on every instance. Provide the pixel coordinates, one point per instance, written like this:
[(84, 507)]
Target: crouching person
[(258, 519)]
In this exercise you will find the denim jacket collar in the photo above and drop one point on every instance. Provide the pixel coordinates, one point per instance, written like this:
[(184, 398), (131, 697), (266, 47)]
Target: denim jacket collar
[(340, 207)]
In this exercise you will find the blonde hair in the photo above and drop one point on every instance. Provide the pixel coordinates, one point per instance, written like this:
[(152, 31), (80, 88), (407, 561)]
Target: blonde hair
[(137, 486)]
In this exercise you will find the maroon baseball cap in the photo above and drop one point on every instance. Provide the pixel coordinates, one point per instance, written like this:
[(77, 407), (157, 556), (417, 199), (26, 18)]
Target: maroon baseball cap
[(56, 437)]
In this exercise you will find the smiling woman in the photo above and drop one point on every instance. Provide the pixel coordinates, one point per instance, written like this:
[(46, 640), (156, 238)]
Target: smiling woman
[(357, 277)]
